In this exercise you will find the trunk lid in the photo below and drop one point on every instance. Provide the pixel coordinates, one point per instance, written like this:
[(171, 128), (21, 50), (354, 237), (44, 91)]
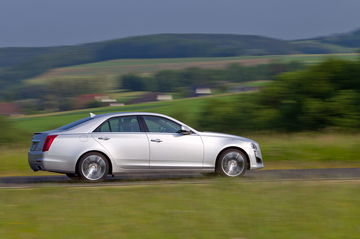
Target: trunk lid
[(38, 139)]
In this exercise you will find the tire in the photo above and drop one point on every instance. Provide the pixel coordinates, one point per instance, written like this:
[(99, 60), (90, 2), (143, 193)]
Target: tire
[(73, 176), (93, 167), (231, 163)]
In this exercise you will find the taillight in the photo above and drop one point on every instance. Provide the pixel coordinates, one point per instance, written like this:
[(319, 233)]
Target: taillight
[(48, 141)]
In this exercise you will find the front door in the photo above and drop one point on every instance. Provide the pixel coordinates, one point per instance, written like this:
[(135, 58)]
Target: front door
[(170, 149), (123, 139)]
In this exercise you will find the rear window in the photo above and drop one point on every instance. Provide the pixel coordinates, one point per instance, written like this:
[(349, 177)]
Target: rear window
[(75, 123), (120, 124)]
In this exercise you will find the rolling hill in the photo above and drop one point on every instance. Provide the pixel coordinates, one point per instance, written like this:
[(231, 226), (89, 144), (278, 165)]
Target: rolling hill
[(111, 69), (351, 39), (343, 42), (17, 64)]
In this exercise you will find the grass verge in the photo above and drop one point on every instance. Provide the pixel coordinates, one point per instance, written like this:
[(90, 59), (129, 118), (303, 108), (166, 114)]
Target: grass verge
[(221, 209)]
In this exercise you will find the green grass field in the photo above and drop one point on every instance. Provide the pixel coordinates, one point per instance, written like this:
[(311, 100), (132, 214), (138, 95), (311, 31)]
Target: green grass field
[(109, 69), (221, 208), (309, 150)]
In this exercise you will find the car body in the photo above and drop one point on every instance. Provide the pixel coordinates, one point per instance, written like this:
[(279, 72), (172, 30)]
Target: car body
[(137, 141)]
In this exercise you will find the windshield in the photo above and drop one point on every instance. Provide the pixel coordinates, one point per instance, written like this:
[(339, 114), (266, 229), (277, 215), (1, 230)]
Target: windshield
[(75, 123)]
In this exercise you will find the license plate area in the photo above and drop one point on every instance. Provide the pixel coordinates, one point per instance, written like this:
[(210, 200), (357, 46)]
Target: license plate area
[(35, 146)]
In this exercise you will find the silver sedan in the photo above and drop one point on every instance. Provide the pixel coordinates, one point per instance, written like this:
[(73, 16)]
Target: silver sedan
[(94, 147)]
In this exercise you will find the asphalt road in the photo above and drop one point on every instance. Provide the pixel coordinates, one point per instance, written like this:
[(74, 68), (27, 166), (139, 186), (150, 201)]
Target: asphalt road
[(167, 178)]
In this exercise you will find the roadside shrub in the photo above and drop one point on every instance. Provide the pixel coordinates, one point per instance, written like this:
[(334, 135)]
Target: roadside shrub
[(8, 132)]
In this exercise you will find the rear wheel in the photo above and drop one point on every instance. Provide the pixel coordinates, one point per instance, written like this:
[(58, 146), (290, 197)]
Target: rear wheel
[(93, 167), (232, 163)]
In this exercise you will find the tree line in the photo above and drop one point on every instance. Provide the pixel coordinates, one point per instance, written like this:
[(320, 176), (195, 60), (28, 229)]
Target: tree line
[(173, 80), (322, 96)]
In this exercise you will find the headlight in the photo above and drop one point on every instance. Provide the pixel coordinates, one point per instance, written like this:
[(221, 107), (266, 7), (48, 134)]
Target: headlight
[(253, 146)]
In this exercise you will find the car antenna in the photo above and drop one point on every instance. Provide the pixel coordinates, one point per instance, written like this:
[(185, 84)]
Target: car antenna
[(92, 115)]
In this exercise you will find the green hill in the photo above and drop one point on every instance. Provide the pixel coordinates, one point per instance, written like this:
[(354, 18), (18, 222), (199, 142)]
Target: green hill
[(150, 46), (351, 39), (20, 63)]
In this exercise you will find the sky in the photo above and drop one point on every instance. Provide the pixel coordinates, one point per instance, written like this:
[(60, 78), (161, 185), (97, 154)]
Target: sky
[(67, 22)]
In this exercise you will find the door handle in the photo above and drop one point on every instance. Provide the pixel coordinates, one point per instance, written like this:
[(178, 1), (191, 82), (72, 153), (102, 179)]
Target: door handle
[(104, 138), (156, 140)]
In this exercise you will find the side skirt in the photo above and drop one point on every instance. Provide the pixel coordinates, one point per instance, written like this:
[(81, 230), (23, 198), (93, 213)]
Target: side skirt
[(164, 169)]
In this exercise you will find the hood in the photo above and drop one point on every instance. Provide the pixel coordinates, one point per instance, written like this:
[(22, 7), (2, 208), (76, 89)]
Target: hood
[(214, 134)]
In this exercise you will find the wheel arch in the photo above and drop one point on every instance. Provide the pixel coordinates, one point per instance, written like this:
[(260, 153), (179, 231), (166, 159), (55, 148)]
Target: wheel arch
[(94, 151), (237, 148)]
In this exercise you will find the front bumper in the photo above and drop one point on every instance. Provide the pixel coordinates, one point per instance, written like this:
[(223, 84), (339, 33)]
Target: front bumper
[(256, 166), (257, 159)]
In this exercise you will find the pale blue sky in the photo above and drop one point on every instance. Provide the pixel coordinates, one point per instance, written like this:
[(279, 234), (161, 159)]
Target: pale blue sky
[(50, 22)]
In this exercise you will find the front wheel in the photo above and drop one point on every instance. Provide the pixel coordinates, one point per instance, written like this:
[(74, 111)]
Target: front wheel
[(93, 167), (231, 163)]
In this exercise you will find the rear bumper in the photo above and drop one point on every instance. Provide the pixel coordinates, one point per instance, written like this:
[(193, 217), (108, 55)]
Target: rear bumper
[(43, 161), (36, 160)]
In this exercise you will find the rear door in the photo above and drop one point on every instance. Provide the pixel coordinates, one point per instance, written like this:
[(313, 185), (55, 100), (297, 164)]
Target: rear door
[(123, 138), (170, 149)]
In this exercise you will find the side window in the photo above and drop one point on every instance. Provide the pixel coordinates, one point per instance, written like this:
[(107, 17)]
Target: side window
[(124, 124), (104, 127), (120, 124), (161, 125)]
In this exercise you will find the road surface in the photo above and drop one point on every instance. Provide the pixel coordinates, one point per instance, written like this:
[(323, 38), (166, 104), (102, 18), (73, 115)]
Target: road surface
[(183, 177)]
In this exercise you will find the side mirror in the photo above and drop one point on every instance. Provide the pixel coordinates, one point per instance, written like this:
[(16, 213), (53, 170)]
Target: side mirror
[(184, 130)]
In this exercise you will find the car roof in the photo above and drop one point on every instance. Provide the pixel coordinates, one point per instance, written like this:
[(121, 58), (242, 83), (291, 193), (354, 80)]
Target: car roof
[(127, 113), (97, 119)]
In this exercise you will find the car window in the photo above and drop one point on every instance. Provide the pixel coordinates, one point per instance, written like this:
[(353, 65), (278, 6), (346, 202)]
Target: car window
[(161, 125), (104, 127), (120, 124)]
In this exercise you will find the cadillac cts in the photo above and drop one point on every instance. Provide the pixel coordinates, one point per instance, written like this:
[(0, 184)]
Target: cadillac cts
[(94, 147)]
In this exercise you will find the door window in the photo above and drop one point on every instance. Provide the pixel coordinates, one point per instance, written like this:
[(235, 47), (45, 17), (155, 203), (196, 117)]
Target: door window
[(161, 125), (104, 127), (120, 124)]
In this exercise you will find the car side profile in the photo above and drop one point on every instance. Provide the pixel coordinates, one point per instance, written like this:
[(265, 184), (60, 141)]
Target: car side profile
[(99, 145)]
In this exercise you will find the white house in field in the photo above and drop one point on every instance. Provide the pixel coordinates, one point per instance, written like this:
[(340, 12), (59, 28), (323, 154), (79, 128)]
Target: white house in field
[(203, 91), (164, 97), (105, 99)]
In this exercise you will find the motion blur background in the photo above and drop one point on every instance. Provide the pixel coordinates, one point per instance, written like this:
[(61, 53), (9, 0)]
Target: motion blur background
[(284, 73)]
